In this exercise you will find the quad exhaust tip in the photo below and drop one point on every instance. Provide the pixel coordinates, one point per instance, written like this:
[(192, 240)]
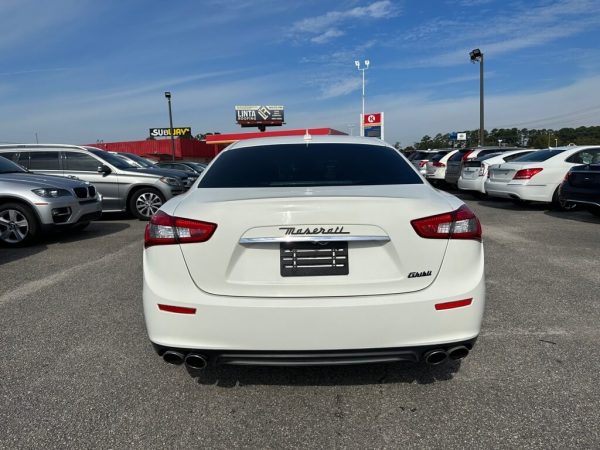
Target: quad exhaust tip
[(435, 357), (458, 352), (173, 357), (195, 361)]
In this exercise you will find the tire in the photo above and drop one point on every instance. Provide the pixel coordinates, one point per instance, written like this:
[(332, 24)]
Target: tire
[(561, 205), (145, 202), (595, 210), (18, 225)]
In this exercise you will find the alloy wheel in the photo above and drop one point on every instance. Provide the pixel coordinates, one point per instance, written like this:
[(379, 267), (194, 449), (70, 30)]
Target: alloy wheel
[(148, 204), (13, 226)]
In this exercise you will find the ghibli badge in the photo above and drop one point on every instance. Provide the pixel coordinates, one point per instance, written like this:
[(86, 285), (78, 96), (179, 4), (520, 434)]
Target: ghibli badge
[(419, 274)]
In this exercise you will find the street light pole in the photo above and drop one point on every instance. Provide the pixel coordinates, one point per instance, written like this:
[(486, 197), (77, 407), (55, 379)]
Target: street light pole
[(357, 64), (168, 97), (477, 56)]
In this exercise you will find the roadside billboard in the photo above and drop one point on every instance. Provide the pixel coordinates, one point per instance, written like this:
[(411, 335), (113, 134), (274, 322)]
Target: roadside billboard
[(259, 115)]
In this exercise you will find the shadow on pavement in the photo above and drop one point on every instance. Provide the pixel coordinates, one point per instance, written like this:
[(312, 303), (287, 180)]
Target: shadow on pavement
[(353, 375), (94, 230), (579, 215)]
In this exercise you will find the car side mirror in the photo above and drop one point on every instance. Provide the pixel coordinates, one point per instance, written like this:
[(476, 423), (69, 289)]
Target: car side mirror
[(104, 170)]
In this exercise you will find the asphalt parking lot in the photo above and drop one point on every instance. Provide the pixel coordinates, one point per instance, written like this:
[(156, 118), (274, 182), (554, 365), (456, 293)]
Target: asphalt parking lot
[(77, 370)]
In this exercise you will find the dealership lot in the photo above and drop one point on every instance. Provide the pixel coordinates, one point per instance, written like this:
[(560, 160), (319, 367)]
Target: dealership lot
[(78, 371)]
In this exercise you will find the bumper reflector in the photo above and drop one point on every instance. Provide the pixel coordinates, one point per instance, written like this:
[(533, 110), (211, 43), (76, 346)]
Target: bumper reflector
[(454, 304), (177, 309)]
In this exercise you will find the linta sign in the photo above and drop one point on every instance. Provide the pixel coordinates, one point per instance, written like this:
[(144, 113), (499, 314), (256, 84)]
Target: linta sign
[(166, 132)]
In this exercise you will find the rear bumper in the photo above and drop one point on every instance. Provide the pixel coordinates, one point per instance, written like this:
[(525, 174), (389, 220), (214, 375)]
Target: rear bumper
[(476, 184), (315, 358), (580, 195), (520, 191), (392, 321)]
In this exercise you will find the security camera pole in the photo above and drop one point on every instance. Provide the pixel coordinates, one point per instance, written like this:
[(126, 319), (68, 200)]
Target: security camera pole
[(168, 97), (357, 64), (477, 56)]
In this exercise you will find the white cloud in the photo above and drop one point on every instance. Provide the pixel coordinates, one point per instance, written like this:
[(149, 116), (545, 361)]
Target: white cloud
[(331, 21), (327, 36), (341, 87), (523, 27)]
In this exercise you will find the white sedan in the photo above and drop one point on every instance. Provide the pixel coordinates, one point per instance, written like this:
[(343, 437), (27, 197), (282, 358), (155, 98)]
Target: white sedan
[(310, 251), (474, 172), (537, 176)]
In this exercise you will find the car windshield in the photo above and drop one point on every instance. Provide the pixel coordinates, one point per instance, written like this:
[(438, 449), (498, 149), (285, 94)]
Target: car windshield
[(542, 155), (317, 164), (198, 166), (138, 159), (7, 166), (115, 160)]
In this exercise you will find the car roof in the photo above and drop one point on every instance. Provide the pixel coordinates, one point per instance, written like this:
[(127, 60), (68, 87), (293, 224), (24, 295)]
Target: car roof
[(330, 139)]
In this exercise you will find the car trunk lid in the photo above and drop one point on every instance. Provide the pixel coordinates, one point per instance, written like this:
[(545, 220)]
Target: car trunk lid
[(264, 235)]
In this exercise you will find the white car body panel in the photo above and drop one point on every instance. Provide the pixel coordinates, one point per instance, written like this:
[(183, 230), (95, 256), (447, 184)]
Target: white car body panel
[(473, 179), (541, 187), (243, 303), (438, 173)]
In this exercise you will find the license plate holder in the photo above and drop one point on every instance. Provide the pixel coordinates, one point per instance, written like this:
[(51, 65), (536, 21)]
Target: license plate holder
[(298, 259)]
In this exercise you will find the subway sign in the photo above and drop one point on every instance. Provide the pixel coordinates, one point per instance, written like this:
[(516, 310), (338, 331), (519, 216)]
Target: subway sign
[(166, 132), (252, 116)]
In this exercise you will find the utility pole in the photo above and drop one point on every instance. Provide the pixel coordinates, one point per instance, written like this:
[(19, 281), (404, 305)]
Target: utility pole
[(168, 97), (477, 56)]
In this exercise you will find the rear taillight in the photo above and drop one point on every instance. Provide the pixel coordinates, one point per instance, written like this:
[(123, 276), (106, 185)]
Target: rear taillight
[(526, 174), (166, 230), (466, 155), (459, 224), (422, 163), (439, 164), (567, 176)]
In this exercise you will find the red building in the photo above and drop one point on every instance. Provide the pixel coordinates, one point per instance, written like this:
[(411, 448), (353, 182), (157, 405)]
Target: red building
[(192, 149)]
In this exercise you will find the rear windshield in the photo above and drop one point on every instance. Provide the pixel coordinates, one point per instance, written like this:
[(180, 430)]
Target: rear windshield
[(290, 165), (458, 155), (420, 155), (541, 155), (438, 156)]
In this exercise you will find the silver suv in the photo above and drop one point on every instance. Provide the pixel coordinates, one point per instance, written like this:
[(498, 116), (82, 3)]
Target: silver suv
[(31, 204), (123, 187)]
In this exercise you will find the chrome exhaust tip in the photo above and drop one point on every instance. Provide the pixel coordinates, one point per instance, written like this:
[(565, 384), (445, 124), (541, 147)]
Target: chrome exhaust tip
[(458, 352), (195, 361), (435, 357), (173, 357)]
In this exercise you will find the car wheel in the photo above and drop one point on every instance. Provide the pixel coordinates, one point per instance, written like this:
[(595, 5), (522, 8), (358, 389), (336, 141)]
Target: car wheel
[(560, 204), (145, 202), (595, 210), (18, 225)]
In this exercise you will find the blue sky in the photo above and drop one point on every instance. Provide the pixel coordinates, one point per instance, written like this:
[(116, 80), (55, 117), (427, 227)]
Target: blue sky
[(75, 71)]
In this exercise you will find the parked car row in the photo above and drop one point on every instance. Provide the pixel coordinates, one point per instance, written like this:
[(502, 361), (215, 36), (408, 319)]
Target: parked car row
[(563, 176), (56, 186)]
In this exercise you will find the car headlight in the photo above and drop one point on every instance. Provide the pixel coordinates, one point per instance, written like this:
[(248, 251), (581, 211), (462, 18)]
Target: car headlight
[(170, 181), (51, 192)]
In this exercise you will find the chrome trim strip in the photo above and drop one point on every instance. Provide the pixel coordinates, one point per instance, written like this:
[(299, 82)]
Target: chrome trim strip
[(340, 238)]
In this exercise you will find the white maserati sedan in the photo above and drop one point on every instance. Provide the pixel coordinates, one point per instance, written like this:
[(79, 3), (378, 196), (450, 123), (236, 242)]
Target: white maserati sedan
[(312, 251), (538, 175)]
